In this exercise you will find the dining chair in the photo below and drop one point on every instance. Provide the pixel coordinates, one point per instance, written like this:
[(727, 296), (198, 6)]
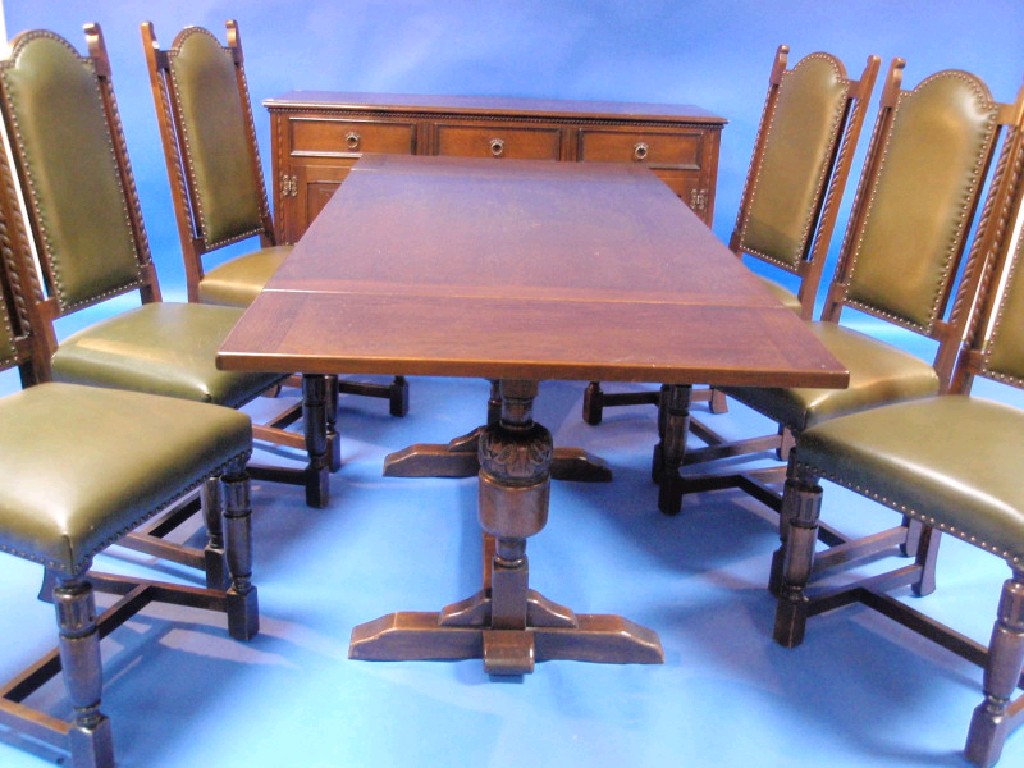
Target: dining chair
[(79, 467), (72, 170), (810, 124), (923, 176), (217, 184), (951, 462)]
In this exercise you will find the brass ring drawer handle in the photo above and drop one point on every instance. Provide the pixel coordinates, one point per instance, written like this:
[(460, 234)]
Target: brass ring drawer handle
[(352, 140), (640, 151), (497, 147)]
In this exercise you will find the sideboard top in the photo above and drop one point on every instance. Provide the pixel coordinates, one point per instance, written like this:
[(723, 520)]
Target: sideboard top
[(491, 105)]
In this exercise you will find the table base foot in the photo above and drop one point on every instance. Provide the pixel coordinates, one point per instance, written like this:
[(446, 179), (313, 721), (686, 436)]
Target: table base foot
[(458, 459), (416, 636), (431, 460)]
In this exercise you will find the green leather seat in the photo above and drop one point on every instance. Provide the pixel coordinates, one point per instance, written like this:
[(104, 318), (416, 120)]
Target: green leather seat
[(952, 462), (879, 374), (179, 343), (236, 283), (82, 466)]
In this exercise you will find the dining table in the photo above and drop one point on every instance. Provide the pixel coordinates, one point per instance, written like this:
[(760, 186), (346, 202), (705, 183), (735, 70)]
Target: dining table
[(517, 272)]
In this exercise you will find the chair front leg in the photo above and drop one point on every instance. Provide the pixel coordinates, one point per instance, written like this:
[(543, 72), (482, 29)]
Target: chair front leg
[(331, 415), (90, 736), (593, 404), (243, 608), (801, 505), (991, 722), (398, 396), (214, 561), (790, 502)]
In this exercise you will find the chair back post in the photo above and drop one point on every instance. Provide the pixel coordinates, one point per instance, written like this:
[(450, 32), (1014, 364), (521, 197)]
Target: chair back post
[(771, 99), (162, 86), (883, 122), (28, 315), (856, 109), (27, 338), (150, 288), (268, 236), (13, 320), (1000, 251)]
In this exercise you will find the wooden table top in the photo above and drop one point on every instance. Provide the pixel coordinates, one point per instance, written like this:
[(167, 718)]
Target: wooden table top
[(492, 105), (521, 269)]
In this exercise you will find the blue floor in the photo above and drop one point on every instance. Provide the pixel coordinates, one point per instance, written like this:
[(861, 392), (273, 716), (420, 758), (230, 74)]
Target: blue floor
[(860, 691)]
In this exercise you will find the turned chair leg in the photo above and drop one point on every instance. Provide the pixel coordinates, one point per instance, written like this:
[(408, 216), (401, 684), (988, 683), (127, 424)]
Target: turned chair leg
[(315, 401), (801, 505), (669, 453), (90, 736), (593, 404), (243, 609), (789, 498), (333, 438), (398, 397), (214, 562), (990, 724)]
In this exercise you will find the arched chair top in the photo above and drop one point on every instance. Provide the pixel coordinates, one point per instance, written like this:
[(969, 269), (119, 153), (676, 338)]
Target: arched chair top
[(216, 137), (68, 144), (789, 178), (918, 199)]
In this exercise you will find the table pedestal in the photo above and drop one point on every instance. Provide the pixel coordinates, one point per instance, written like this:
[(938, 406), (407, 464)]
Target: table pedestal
[(507, 624)]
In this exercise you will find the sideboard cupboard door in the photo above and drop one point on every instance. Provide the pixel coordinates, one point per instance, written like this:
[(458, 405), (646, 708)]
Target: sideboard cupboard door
[(317, 136), (319, 149)]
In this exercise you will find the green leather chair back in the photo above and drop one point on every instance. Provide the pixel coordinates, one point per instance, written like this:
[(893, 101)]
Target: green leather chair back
[(218, 137), (800, 139), (919, 205), (56, 113)]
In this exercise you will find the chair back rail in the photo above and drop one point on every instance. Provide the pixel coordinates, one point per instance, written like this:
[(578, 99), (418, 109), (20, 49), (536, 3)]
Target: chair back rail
[(209, 140), (805, 143)]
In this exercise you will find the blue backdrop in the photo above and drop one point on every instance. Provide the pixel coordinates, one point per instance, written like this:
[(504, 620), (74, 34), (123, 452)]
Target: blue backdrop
[(713, 53)]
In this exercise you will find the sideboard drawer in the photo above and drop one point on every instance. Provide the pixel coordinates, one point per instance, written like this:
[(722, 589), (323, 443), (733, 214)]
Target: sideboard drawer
[(330, 138), (518, 143), (677, 149)]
